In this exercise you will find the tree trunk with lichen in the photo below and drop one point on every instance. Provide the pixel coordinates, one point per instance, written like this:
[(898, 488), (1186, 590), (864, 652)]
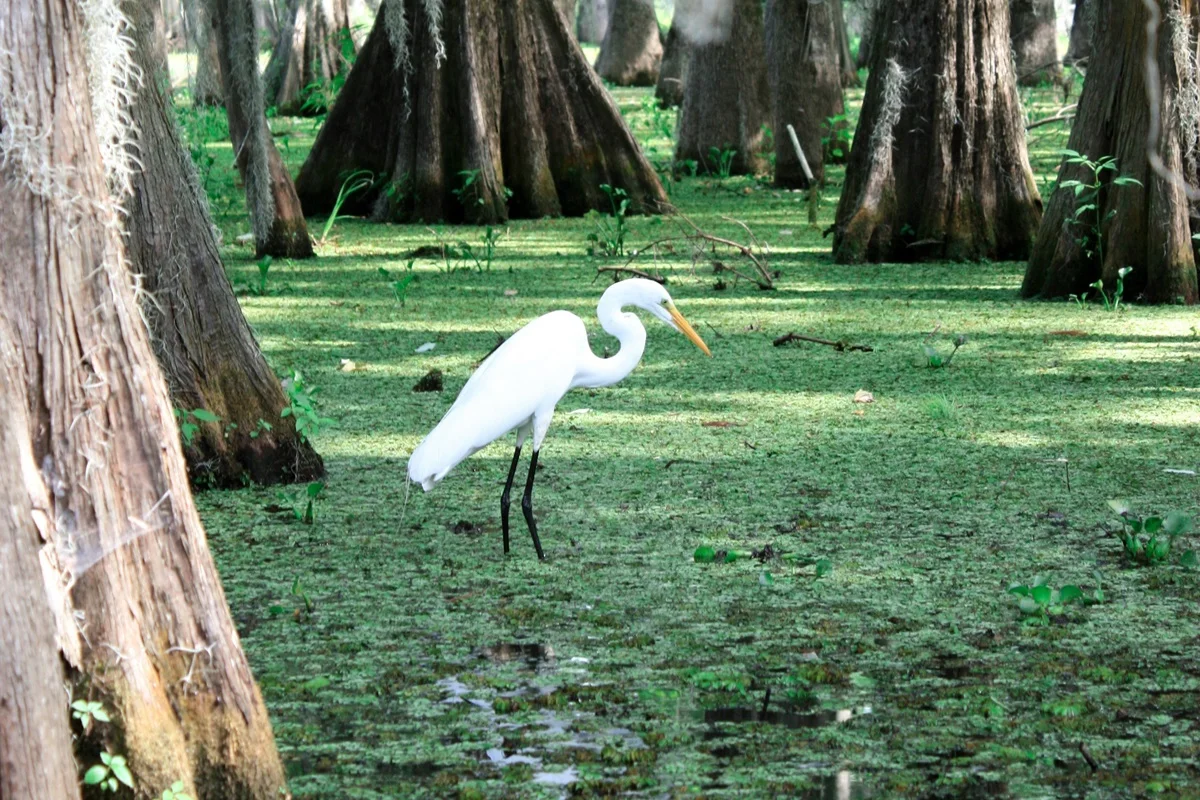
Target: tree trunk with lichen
[(510, 105), (726, 101), (98, 469), (201, 339), (632, 51), (591, 24), (1083, 23), (275, 213), (1034, 31), (938, 169), (805, 74), (314, 48), (671, 75), (1146, 227)]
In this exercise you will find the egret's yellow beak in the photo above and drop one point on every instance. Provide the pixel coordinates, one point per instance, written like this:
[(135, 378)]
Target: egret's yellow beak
[(687, 330)]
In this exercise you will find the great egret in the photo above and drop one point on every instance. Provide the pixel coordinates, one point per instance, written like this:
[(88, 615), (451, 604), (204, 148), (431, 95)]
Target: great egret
[(518, 386)]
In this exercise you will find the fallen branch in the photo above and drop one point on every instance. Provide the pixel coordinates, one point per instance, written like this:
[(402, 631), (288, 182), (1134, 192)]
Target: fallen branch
[(1062, 115), (635, 272), (839, 346), (695, 235)]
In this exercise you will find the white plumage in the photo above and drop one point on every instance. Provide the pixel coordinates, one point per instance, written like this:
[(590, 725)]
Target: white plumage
[(518, 386)]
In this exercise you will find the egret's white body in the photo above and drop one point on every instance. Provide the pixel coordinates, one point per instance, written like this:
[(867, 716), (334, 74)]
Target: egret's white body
[(518, 385)]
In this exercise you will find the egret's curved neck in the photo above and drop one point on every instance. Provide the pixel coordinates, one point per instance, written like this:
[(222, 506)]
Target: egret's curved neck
[(596, 372)]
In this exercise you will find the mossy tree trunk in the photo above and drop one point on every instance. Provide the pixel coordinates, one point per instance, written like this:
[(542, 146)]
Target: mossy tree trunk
[(1083, 23), (805, 73), (512, 104), (275, 213), (632, 50), (676, 53), (1147, 227), (591, 24), (938, 168), (1034, 31), (201, 339), (313, 49), (726, 101), (99, 468)]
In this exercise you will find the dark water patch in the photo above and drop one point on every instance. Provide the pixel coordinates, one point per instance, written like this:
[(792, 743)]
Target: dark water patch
[(533, 655)]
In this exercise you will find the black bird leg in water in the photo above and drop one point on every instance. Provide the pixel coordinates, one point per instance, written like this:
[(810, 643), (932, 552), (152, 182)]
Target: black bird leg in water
[(504, 503), (527, 506)]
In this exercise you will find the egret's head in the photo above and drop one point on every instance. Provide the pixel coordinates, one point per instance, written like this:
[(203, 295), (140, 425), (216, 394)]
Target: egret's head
[(654, 298)]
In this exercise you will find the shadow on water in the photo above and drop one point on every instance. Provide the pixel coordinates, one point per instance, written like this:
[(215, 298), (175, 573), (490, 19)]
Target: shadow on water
[(535, 656)]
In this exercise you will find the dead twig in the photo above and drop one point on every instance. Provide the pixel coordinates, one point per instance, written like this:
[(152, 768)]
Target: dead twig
[(696, 236), (635, 272), (1088, 757), (839, 346)]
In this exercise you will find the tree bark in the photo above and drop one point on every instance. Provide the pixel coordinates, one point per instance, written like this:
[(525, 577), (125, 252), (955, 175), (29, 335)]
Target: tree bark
[(1079, 47), (1035, 42), (1145, 227), (567, 9), (207, 89), (671, 75), (101, 472), (872, 20), (726, 101), (314, 48), (35, 732), (938, 169), (845, 59), (278, 221), (805, 74), (513, 104), (201, 339), (632, 51), (592, 22)]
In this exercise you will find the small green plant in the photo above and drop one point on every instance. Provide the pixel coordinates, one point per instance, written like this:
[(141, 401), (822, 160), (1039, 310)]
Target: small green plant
[(306, 604), (400, 285), (722, 159), (836, 140), (302, 407), (264, 266), (935, 360), (355, 182), (1150, 540), (176, 792), (1039, 600), (87, 710), (1087, 216), (690, 164), (189, 422), (939, 408), (1117, 291), (261, 427), (468, 189), (609, 237), (109, 773)]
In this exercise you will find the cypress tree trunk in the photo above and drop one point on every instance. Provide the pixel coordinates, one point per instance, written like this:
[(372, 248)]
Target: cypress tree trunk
[(567, 9), (100, 468), (278, 222), (1035, 42), (206, 82), (1082, 25), (726, 101), (35, 729), (938, 168), (512, 102), (1145, 227), (676, 53), (845, 59), (201, 339), (592, 22), (632, 49), (805, 72), (314, 48)]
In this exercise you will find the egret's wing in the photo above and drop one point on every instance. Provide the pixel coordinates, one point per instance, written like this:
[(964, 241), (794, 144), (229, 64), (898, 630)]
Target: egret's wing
[(525, 375)]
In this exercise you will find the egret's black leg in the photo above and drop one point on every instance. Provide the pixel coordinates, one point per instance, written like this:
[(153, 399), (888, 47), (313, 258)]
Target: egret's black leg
[(504, 504), (527, 506)]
